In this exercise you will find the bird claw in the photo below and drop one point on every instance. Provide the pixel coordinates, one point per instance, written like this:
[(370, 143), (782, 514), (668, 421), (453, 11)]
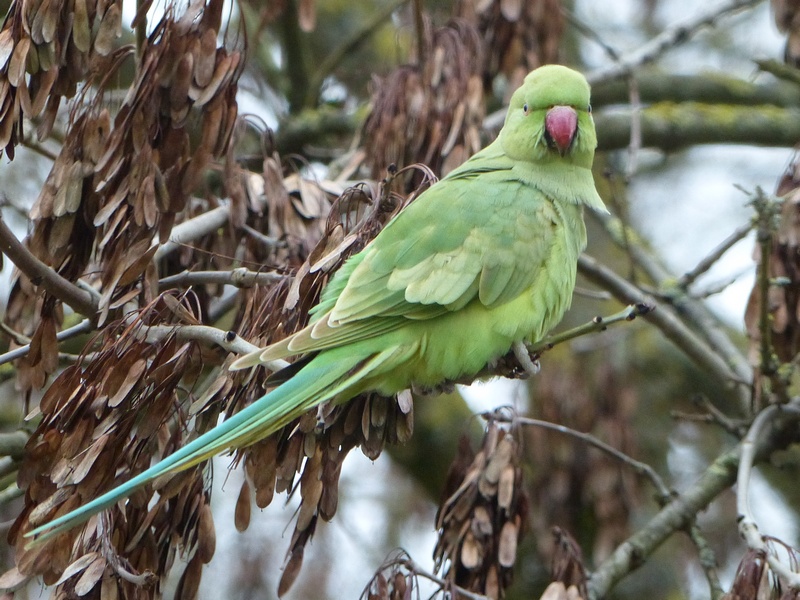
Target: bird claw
[(528, 364)]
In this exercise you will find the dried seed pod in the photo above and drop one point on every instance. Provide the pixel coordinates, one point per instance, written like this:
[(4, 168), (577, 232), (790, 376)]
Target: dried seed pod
[(567, 566), (394, 580), (429, 114), (479, 531), (517, 36), (89, 433)]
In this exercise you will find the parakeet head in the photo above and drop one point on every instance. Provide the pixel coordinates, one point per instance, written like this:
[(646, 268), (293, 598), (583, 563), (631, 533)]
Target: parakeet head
[(549, 118)]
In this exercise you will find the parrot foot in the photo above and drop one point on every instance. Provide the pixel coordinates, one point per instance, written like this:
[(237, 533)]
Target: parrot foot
[(530, 366)]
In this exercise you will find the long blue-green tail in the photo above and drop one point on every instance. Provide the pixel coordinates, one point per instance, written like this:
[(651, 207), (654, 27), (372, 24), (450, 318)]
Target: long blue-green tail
[(326, 376)]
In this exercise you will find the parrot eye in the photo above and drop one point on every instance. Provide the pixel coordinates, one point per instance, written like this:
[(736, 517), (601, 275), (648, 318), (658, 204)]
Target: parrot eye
[(525, 108), (589, 109)]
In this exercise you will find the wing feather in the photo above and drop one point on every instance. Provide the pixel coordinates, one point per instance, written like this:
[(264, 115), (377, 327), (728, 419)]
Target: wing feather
[(415, 269)]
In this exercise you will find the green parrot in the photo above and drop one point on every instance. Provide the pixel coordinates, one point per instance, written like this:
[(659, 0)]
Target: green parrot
[(481, 261)]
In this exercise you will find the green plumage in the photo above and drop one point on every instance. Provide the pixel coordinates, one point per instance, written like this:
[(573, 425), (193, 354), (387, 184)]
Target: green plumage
[(483, 259)]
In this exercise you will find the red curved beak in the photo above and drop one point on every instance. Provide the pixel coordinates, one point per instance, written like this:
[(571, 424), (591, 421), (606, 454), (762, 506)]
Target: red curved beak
[(561, 125)]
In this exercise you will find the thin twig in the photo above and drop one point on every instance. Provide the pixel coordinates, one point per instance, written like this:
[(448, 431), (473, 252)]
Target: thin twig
[(710, 260), (228, 340), (41, 274), (682, 509), (694, 314), (767, 213), (268, 241), (241, 277), (143, 579), (648, 52), (629, 313), (12, 492), (14, 335), (666, 40), (344, 50), (193, 229), (642, 469), (708, 561), (221, 306), (719, 417), (586, 30), (38, 148), (414, 568), (748, 528), (84, 326), (716, 287), (668, 322)]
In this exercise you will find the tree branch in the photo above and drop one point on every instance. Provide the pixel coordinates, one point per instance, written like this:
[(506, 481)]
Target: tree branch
[(666, 40), (295, 48), (597, 324), (668, 322), (748, 528), (641, 469), (341, 52), (193, 229), (708, 561), (702, 321), (706, 88), (315, 126), (13, 444), (683, 509), (84, 326), (227, 340), (670, 127), (41, 274), (688, 278), (241, 277)]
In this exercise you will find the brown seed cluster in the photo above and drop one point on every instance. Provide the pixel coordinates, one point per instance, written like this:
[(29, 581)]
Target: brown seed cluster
[(396, 579), (103, 419), (120, 182), (46, 49), (519, 35), (783, 300), (134, 399), (566, 569), (432, 113), (482, 514), (755, 581)]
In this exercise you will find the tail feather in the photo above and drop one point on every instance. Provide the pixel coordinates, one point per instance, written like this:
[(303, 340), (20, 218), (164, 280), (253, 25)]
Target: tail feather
[(277, 414), (320, 380)]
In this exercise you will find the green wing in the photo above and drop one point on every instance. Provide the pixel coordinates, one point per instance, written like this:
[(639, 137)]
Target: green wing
[(498, 231), (481, 233)]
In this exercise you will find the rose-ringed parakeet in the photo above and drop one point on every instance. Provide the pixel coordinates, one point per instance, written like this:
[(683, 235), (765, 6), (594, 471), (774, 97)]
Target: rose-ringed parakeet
[(482, 260)]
